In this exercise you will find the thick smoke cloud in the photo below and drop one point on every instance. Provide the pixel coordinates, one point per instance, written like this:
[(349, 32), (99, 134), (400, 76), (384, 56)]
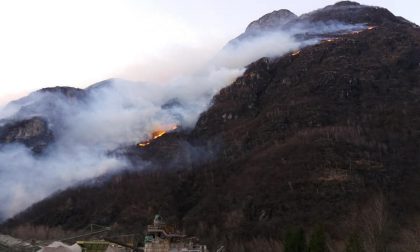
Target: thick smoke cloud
[(117, 113)]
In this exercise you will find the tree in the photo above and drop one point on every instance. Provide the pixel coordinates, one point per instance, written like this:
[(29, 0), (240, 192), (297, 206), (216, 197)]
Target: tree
[(354, 244), (295, 240), (318, 243)]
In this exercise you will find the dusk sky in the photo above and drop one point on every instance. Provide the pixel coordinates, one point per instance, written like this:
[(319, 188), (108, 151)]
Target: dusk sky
[(80, 42)]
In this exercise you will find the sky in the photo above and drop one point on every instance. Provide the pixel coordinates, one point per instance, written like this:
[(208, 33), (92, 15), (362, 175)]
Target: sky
[(79, 42)]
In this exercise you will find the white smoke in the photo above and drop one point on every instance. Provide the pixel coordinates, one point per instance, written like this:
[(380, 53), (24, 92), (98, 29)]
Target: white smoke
[(268, 44), (115, 114)]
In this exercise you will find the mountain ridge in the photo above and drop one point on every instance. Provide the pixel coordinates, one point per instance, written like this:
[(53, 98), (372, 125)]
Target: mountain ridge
[(345, 12), (315, 136)]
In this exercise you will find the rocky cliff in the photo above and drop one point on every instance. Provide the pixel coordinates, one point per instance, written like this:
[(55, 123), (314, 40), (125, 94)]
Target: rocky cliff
[(33, 133)]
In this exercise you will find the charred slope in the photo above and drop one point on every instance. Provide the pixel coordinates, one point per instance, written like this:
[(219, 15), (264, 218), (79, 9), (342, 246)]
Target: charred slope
[(299, 140)]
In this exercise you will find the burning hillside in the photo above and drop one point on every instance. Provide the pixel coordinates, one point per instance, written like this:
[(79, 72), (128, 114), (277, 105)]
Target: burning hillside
[(329, 136), (155, 135)]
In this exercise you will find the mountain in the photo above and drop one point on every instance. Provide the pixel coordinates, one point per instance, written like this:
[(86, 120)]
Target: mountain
[(271, 21), (33, 117), (40, 116), (69, 92), (33, 133), (327, 135), (338, 16)]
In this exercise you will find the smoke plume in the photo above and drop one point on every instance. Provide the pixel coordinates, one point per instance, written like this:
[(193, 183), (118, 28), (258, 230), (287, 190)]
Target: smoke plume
[(116, 113)]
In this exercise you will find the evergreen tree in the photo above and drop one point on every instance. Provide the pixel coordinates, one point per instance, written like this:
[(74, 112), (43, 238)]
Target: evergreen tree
[(318, 242), (295, 240)]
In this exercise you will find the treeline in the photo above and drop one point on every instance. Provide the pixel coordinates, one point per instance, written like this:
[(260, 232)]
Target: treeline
[(295, 240)]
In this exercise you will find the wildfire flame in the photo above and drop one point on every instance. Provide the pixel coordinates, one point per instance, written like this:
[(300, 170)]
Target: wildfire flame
[(329, 40), (156, 134), (144, 144), (295, 53), (369, 28)]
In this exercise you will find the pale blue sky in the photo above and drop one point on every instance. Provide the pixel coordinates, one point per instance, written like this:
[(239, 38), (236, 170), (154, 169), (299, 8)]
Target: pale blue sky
[(79, 42)]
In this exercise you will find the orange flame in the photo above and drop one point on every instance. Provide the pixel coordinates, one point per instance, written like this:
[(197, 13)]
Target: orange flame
[(156, 134), (144, 144), (369, 28)]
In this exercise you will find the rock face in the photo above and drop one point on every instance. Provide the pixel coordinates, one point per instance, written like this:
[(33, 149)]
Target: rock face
[(31, 123), (34, 133), (271, 21), (307, 138)]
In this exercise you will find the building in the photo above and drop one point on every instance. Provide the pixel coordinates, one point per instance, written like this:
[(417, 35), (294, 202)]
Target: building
[(163, 238)]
